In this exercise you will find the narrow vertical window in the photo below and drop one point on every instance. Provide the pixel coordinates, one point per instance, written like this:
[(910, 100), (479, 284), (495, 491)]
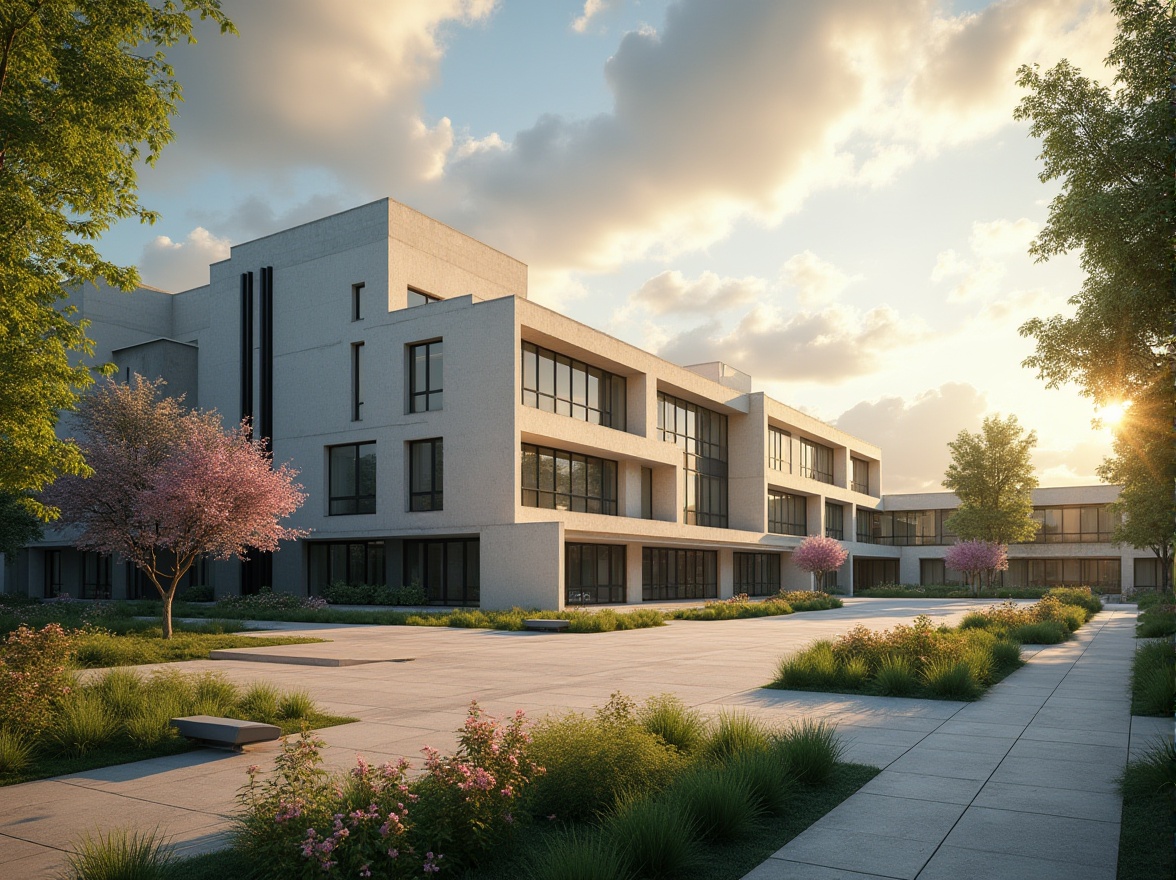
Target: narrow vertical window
[(426, 475), (357, 302), (426, 376), (647, 493), (357, 382)]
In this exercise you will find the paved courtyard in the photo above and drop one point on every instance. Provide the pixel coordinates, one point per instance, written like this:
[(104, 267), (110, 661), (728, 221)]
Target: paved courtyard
[(952, 769)]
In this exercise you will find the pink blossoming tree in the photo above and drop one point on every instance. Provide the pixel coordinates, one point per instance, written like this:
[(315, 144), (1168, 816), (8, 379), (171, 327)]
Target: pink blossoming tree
[(818, 554), (975, 558), (169, 486)]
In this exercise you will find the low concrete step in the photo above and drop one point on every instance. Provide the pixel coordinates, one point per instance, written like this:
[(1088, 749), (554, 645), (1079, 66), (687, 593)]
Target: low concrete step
[(227, 733), (546, 625)]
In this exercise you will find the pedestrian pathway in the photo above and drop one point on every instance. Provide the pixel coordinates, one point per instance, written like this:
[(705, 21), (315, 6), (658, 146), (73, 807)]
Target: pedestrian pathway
[(1021, 784)]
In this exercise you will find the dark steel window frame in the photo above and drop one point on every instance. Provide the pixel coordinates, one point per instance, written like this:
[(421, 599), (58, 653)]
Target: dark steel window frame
[(669, 573), (357, 381), (560, 384), (816, 461), (757, 574), (426, 398), (360, 502), (834, 520), (779, 449), (857, 484), (701, 434), (572, 485), (426, 495), (787, 513), (583, 584)]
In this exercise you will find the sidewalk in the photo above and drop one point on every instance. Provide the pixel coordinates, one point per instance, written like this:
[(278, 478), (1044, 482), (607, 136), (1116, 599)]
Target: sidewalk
[(1021, 784)]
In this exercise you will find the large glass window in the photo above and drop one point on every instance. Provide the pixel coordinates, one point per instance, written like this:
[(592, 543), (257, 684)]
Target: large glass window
[(96, 570), (426, 376), (1097, 573), (594, 573), (426, 481), (348, 562), (678, 574), (555, 383), (787, 514), (834, 521), (779, 450), (874, 572), (816, 461), (861, 476), (352, 479), (560, 480), (448, 570), (757, 574), (702, 435), (903, 528), (1072, 525)]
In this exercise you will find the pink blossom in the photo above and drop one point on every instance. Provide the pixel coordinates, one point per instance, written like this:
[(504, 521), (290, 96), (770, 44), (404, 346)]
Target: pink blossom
[(818, 554)]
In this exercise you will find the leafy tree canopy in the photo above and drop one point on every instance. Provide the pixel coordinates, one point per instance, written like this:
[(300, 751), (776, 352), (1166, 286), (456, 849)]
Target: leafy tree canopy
[(992, 473), (1145, 502), (169, 486), (86, 94)]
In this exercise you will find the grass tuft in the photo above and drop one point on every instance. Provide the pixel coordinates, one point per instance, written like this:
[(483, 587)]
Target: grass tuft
[(580, 856), (16, 751), (951, 679), (83, 723), (734, 734), (1153, 679), (677, 724), (120, 854), (810, 749), (659, 839), (895, 677), (719, 802)]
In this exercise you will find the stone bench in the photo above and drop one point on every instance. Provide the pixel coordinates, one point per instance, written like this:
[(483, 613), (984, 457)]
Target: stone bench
[(225, 733), (546, 625)]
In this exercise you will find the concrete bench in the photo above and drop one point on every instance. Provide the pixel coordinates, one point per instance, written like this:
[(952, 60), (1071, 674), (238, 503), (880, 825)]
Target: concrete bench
[(225, 733), (546, 625)]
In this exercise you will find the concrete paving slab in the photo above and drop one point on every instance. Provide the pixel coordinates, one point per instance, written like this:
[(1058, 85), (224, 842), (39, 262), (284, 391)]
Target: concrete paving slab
[(1060, 839), (1071, 775), (1101, 807), (1082, 752), (976, 745), (895, 816), (953, 764), (894, 783), (1045, 733), (780, 869), (850, 850), (959, 863)]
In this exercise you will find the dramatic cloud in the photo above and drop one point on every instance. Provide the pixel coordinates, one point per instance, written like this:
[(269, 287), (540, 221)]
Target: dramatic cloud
[(828, 346), (179, 265), (672, 293), (817, 282), (914, 435)]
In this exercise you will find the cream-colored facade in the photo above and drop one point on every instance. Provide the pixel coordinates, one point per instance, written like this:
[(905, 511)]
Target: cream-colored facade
[(319, 333)]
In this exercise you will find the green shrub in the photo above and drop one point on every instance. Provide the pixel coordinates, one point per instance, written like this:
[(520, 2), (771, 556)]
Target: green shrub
[(34, 676), (813, 668), (16, 751), (809, 600), (1146, 599), (1155, 772), (768, 776), (213, 695), (855, 672), (1153, 679), (810, 749), (1045, 632), (121, 690), (1080, 596), (1156, 621), (196, 593), (340, 593), (120, 854), (592, 762), (950, 679), (657, 837), (574, 855), (735, 733), (295, 704), (82, 723), (260, 703), (719, 802), (674, 722), (895, 677)]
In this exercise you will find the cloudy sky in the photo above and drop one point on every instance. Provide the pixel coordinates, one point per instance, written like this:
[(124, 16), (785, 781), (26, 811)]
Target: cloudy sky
[(831, 196)]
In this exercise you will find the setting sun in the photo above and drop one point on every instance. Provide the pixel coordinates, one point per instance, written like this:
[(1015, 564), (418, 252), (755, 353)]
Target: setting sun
[(1113, 413)]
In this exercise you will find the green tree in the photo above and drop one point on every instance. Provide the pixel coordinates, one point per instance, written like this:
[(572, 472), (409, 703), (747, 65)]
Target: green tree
[(1145, 502), (992, 473), (86, 94), (17, 525), (1114, 152)]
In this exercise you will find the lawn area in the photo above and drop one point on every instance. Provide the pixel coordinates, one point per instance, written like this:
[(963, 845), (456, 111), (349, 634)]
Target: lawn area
[(925, 661)]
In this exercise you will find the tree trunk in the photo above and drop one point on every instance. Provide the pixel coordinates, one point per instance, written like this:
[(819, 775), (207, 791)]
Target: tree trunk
[(167, 608)]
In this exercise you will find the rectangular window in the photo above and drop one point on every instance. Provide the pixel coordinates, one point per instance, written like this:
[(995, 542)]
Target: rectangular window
[(351, 479), (861, 476), (874, 572), (702, 435), (647, 493), (1101, 574), (779, 450), (348, 562), (1073, 525), (787, 514), (757, 574), (568, 387), (558, 480), (95, 575), (357, 382), (867, 526), (594, 573), (834, 521), (816, 461), (417, 298), (447, 570), (426, 376), (678, 574), (357, 302), (1147, 573), (426, 475)]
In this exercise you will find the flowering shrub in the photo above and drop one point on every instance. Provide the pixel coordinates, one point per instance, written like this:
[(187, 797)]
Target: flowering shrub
[(975, 558), (818, 554), (469, 799), (303, 822), (34, 676), (267, 600)]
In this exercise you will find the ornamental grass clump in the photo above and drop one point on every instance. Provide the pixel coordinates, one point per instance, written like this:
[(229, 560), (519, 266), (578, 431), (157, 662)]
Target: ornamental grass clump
[(895, 677), (813, 668), (769, 778), (735, 733), (580, 855), (593, 761), (951, 679), (1153, 678), (1156, 621), (719, 802), (809, 600), (16, 751), (659, 839), (83, 723), (120, 854), (675, 723), (809, 749)]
